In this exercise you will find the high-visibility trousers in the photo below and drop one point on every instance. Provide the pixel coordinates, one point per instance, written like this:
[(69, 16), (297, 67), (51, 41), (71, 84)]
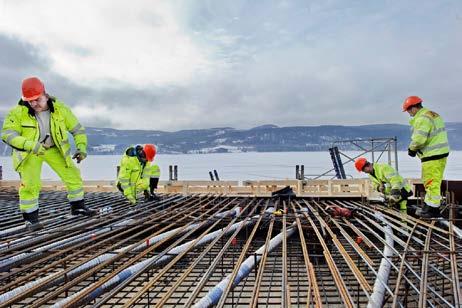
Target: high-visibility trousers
[(31, 170), (432, 176), (143, 183), (149, 172), (403, 206)]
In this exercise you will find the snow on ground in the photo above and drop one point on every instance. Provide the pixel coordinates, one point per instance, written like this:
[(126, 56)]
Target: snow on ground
[(237, 166)]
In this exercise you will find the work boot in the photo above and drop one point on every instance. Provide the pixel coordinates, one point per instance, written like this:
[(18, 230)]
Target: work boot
[(79, 208), (32, 220), (154, 197), (430, 212), (150, 196)]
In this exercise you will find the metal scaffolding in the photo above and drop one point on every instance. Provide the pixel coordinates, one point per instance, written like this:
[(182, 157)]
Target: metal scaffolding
[(379, 149), (211, 250)]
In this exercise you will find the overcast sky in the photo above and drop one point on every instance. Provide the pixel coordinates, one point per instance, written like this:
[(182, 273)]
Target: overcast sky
[(171, 65)]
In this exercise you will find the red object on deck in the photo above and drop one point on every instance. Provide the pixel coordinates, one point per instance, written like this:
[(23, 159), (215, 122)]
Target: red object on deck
[(337, 211)]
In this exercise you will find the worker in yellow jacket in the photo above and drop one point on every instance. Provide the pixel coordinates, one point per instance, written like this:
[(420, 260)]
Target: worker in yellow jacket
[(386, 180), (37, 130), (138, 174), (429, 142)]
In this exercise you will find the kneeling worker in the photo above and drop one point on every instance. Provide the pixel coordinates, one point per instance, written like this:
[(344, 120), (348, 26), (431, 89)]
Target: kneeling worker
[(137, 174), (387, 181)]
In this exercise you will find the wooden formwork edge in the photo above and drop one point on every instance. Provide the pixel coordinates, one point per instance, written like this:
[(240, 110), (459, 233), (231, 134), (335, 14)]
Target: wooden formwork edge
[(309, 188)]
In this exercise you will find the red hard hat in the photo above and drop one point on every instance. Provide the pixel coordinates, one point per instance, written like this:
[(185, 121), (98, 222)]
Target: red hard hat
[(32, 88), (360, 163), (411, 101), (150, 151)]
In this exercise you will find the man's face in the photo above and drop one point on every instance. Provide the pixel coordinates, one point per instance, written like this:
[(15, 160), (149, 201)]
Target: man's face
[(39, 104), (368, 168), (412, 111)]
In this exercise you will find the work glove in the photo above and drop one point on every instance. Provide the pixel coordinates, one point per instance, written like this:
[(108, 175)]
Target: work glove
[(79, 156), (411, 153), (132, 200), (381, 188), (34, 147), (395, 196), (278, 212)]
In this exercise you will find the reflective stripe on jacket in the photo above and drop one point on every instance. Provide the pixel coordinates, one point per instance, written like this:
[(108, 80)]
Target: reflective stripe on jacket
[(20, 126), (429, 137)]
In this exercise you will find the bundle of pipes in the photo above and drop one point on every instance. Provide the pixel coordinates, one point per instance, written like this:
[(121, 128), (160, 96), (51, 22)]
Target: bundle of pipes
[(213, 250)]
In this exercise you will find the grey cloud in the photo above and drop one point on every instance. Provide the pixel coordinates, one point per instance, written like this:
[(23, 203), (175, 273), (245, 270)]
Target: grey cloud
[(17, 59), (360, 60), (306, 63), (18, 55), (98, 121)]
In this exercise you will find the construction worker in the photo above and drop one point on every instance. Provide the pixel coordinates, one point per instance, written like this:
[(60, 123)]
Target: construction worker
[(138, 174), (387, 181), (429, 142), (37, 130)]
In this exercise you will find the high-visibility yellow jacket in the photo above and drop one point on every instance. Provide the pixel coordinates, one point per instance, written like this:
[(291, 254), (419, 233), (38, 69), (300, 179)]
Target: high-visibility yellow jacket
[(134, 176), (429, 137), (20, 125), (385, 174)]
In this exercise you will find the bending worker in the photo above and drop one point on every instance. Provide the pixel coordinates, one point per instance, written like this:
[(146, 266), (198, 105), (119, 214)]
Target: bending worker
[(37, 130), (387, 181), (138, 174), (429, 141)]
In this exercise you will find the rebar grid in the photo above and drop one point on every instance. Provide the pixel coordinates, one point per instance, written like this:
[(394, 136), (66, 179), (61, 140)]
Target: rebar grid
[(180, 250)]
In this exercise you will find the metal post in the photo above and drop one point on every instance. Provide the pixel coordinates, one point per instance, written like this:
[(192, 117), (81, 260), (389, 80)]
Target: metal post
[(170, 172), (297, 172), (211, 176), (117, 172), (1, 173), (216, 175), (302, 172), (334, 162), (396, 152), (389, 146), (372, 150), (175, 172), (339, 163)]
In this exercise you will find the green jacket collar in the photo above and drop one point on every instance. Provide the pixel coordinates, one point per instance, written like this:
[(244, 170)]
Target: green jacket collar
[(418, 114), (50, 103)]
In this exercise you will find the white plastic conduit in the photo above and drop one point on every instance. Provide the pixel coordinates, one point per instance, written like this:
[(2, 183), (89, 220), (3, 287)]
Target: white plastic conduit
[(135, 268), (102, 258), (7, 263), (457, 230), (214, 295), (378, 292)]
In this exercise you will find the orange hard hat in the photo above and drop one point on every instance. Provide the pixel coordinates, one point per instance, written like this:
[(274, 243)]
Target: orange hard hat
[(360, 163), (32, 88), (411, 101), (150, 151)]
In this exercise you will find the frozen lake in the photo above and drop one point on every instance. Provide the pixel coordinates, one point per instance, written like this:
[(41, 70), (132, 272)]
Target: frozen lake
[(238, 166)]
